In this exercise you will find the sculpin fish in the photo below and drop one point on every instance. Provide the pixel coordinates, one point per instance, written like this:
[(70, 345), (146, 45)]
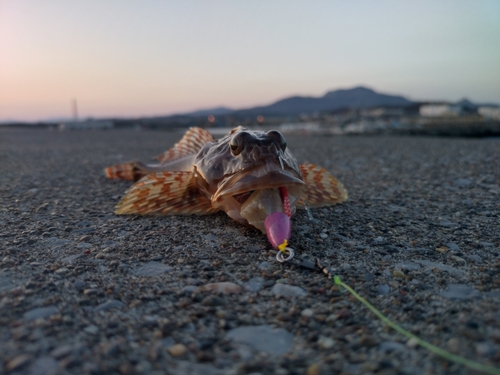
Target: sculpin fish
[(248, 174)]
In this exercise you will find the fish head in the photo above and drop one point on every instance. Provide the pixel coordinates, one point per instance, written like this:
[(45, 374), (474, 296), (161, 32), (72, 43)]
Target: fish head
[(243, 172)]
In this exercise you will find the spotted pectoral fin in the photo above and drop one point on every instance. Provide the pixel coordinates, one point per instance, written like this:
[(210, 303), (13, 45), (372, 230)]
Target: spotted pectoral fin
[(167, 193), (322, 189), (191, 143), (126, 171)]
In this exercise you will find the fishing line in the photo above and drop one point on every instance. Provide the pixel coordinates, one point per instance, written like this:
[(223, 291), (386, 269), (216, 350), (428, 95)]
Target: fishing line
[(427, 345)]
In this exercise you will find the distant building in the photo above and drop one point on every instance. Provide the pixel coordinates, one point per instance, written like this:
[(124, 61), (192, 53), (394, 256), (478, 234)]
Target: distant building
[(440, 110), (86, 125), (383, 111), (489, 112)]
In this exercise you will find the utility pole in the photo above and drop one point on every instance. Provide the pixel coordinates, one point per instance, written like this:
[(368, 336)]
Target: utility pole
[(74, 109)]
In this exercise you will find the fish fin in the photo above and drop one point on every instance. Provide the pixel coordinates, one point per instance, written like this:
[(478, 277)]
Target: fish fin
[(167, 193), (322, 189), (191, 143), (126, 171)]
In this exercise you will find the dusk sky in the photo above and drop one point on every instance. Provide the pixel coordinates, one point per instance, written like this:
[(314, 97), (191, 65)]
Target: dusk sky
[(142, 58)]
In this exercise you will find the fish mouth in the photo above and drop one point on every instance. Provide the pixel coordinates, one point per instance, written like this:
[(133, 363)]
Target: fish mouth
[(241, 185), (249, 197)]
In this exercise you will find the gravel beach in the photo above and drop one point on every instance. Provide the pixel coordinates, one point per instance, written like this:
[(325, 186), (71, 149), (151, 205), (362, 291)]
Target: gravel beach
[(83, 291)]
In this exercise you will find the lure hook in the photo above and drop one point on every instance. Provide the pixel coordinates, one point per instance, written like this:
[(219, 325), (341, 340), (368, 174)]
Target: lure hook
[(285, 255)]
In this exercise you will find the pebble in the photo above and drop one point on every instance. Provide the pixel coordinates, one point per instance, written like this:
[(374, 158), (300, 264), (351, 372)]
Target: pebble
[(177, 350), (326, 343), (153, 269), (383, 289), (475, 258), (41, 312), (453, 345), (391, 346), (263, 338), (288, 290), (44, 366), (460, 291), (213, 301), (91, 329), (307, 313), (441, 267), (223, 287), (109, 305), (18, 362), (263, 266), (62, 351), (486, 349), (254, 284)]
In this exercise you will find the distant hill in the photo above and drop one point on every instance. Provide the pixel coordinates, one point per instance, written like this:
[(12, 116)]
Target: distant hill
[(218, 111), (358, 97)]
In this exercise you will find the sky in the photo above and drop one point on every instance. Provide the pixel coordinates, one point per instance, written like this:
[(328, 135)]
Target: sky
[(132, 58)]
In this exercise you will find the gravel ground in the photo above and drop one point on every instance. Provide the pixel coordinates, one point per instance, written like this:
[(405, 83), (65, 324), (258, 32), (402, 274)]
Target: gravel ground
[(83, 291)]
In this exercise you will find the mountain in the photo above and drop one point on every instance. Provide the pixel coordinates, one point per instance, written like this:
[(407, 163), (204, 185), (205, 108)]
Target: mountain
[(358, 97), (218, 111)]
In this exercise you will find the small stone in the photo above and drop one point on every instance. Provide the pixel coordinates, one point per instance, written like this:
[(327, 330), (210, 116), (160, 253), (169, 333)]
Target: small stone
[(213, 301), (85, 238), (61, 271), (412, 343), (41, 312), (442, 249), (383, 289), (326, 342), (453, 345), (441, 267), (368, 277), (223, 287), (368, 341), (486, 244), (263, 266), (71, 259), (391, 346), (79, 285), (177, 350), (475, 258), (343, 313), (397, 273), (453, 246), (288, 290), (84, 245), (44, 366), (485, 349), (458, 259), (254, 284), (307, 313), (317, 368), (91, 329), (91, 292), (153, 269), (462, 182), (61, 351), (109, 305), (18, 362)]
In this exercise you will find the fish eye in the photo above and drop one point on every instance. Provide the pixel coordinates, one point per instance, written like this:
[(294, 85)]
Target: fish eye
[(278, 137), (234, 146)]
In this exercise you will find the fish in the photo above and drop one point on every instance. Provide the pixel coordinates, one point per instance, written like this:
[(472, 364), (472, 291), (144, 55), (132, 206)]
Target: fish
[(251, 175)]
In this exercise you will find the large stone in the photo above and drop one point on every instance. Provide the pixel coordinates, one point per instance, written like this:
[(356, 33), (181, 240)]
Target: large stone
[(460, 291), (288, 290), (41, 312), (263, 338), (153, 269)]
